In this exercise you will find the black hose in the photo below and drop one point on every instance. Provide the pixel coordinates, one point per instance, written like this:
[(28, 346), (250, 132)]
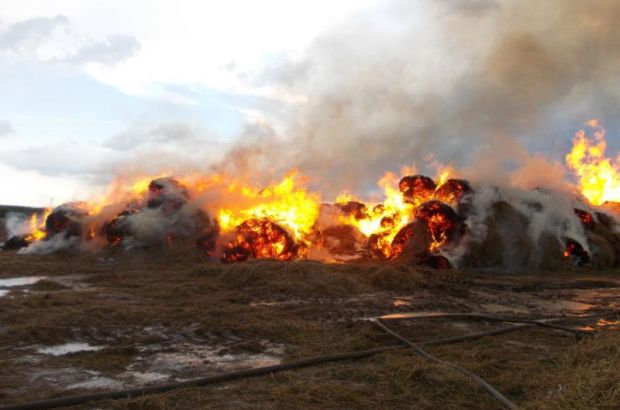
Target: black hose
[(538, 322), (490, 389)]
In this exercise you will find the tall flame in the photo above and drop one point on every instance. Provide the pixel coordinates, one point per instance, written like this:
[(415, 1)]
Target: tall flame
[(286, 203), (598, 176), (37, 225)]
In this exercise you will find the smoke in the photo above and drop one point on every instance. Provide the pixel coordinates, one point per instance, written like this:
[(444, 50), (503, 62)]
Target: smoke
[(478, 85), (16, 224)]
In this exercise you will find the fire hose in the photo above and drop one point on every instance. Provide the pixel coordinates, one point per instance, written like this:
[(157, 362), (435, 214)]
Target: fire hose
[(266, 370), (490, 389)]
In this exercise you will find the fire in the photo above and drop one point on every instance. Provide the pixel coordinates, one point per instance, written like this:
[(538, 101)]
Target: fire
[(286, 203), (262, 239), (379, 222), (576, 253), (598, 176), (233, 219), (387, 225), (37, 225)]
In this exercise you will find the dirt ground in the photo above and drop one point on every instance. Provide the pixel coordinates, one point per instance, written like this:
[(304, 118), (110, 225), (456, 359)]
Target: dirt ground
[(72, 324)]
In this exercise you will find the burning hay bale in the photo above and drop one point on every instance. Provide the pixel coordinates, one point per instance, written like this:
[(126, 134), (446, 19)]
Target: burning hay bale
[(261, 239), (356, 209), (586, 218), (166, 193), (575, 252), (412, 240), (442, 222), (340, 240), (66, 220), (416, 187), (164, 218), (116, 229), (453, 191)]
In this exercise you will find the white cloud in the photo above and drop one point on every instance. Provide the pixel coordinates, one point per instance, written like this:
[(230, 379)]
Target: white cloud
[(196, 43), (57, 39), (30, 33), (169, 133), (6, 128), (111, 50)]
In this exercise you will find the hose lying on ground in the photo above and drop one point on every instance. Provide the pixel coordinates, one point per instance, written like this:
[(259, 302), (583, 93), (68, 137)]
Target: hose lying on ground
[(538, 322), (262, 371), (490, 389)]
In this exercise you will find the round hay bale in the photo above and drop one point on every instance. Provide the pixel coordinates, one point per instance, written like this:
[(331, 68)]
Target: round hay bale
[(603, 252)]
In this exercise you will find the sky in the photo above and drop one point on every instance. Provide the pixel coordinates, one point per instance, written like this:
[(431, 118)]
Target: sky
[(345, 90), (89, 85)]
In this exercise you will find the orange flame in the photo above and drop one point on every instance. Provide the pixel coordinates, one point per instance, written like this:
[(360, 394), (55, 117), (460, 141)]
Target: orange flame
[(37, 225), (598, 176), (286, 203)]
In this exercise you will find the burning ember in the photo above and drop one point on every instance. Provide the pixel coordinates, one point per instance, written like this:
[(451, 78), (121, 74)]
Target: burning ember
[(417, 188), (453, 191), (575, 252), (585, 217), (260, 238), (443, 224)]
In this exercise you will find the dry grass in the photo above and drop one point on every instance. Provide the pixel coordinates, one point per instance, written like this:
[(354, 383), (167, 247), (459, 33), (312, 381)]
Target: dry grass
[(174, 292)]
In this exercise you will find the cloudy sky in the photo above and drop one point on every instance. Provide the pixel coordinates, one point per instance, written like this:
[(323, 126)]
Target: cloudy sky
[(89, 85), (91, 89)]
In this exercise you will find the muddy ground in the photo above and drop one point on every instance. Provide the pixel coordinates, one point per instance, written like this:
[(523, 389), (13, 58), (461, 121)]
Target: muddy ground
[(78, 324)]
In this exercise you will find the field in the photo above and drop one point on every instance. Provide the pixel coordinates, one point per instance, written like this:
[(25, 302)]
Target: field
[(84, 323)]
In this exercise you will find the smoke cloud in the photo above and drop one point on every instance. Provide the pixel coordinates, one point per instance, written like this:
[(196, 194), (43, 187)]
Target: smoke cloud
[(481, 87)]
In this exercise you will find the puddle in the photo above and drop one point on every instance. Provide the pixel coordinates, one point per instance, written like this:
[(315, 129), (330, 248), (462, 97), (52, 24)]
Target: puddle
[(68, 348), (75, 378), (97, 382), (190, 356), (145, 377), (20, 281), (69, 281)]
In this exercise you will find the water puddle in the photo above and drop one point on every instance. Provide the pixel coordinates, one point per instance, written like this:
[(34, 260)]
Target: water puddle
[(74, 378), (97, 382), (66, 281), (20, 281), (187, 357), (68, 348)]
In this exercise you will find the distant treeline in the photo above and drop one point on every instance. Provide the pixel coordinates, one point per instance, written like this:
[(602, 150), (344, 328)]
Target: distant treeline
[(6, 209)]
